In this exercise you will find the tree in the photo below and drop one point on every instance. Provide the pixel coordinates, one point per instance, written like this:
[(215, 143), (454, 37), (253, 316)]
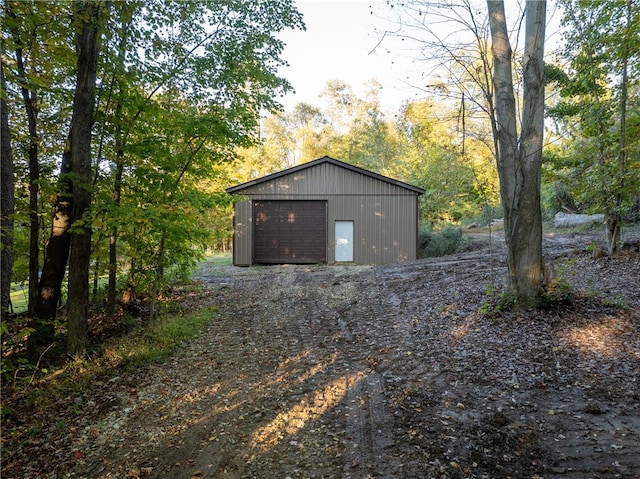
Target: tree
[(41, 52), (90, 15), (358, 129), (220, 70), (596, 106), (30, 98), (8, 201), (457, 184), (121, 78), (36, 43), (519, 156), (288, 139), (488, 82), (217, 61)]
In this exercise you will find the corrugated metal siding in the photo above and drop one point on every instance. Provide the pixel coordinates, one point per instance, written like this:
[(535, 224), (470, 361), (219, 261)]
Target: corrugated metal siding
[(325, 180), (384, 215), (384, 227), (242, 233)]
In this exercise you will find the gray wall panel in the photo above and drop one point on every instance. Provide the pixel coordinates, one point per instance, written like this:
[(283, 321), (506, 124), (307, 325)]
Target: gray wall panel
[(242, 233)]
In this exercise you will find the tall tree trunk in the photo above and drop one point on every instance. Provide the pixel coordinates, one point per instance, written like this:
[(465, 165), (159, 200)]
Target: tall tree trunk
[(44, 289), (81, 129), (113, 237), (519, 158), (117, 182), (614, 218), (30, 100), (34, 218), (117, 195), (7, 201), (56, 253)]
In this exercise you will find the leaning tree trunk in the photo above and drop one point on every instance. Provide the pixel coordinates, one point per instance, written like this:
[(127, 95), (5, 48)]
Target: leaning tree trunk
[(54, 265), (57, 249), (8, 202), (519, 158), (81, 128)]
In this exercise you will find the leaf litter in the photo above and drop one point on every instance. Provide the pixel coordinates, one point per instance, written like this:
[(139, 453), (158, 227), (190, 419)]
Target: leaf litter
[(372, 372)]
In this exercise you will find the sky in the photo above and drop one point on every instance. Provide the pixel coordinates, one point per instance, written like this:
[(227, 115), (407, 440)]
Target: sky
[(340, 44)]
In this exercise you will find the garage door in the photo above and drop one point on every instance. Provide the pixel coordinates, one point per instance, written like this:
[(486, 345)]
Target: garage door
[(289, 232)]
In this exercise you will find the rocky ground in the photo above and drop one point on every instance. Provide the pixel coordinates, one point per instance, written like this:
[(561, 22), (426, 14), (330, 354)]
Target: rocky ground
[(398, 371)]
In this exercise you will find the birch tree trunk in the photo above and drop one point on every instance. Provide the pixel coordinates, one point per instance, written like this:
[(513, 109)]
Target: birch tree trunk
[(519, 156)]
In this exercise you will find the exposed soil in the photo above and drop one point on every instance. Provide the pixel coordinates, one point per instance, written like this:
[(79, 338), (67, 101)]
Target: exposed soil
[(377, 372)]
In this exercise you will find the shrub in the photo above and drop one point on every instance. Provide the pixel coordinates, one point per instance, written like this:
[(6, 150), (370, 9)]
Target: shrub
[(440, 243)]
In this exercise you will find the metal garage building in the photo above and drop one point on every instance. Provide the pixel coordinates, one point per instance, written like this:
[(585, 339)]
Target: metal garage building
[(325, 211)]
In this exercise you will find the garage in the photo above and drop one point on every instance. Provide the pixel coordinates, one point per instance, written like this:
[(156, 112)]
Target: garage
[(289, 232), (324, 211)]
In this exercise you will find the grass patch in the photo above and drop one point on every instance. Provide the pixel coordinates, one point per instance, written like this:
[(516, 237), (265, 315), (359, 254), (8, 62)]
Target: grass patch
[(156, 342), (144, 345), (219, 259), (215, 263), (19, 298)]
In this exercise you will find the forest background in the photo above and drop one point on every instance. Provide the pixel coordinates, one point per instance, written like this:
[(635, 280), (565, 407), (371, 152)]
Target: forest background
[(185, 104)]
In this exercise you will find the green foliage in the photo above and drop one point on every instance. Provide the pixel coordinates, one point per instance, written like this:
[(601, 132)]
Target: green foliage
[(555, 197), (598, 111), (558, 292), (20, 369), (449, 240), (153, 343), (15, 367), (498, 301), (456, 185), (617, 301), (182, 85)]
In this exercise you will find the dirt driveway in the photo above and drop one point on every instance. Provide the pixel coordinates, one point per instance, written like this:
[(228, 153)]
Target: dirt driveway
[(387, 372)]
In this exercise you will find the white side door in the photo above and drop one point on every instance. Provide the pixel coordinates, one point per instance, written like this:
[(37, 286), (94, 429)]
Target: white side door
[(344, 241)]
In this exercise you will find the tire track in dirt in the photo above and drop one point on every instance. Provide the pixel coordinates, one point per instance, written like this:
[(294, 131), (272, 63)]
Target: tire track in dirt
[(359, 372), (369, 422)]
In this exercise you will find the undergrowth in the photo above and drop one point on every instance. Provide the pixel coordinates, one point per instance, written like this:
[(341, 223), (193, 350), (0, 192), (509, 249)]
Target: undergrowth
[(557, 293), (145, 344), (449, 240), (153, 343)]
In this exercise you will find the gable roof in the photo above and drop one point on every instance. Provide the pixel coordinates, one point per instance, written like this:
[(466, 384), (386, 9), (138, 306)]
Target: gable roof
[(319, 161)]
